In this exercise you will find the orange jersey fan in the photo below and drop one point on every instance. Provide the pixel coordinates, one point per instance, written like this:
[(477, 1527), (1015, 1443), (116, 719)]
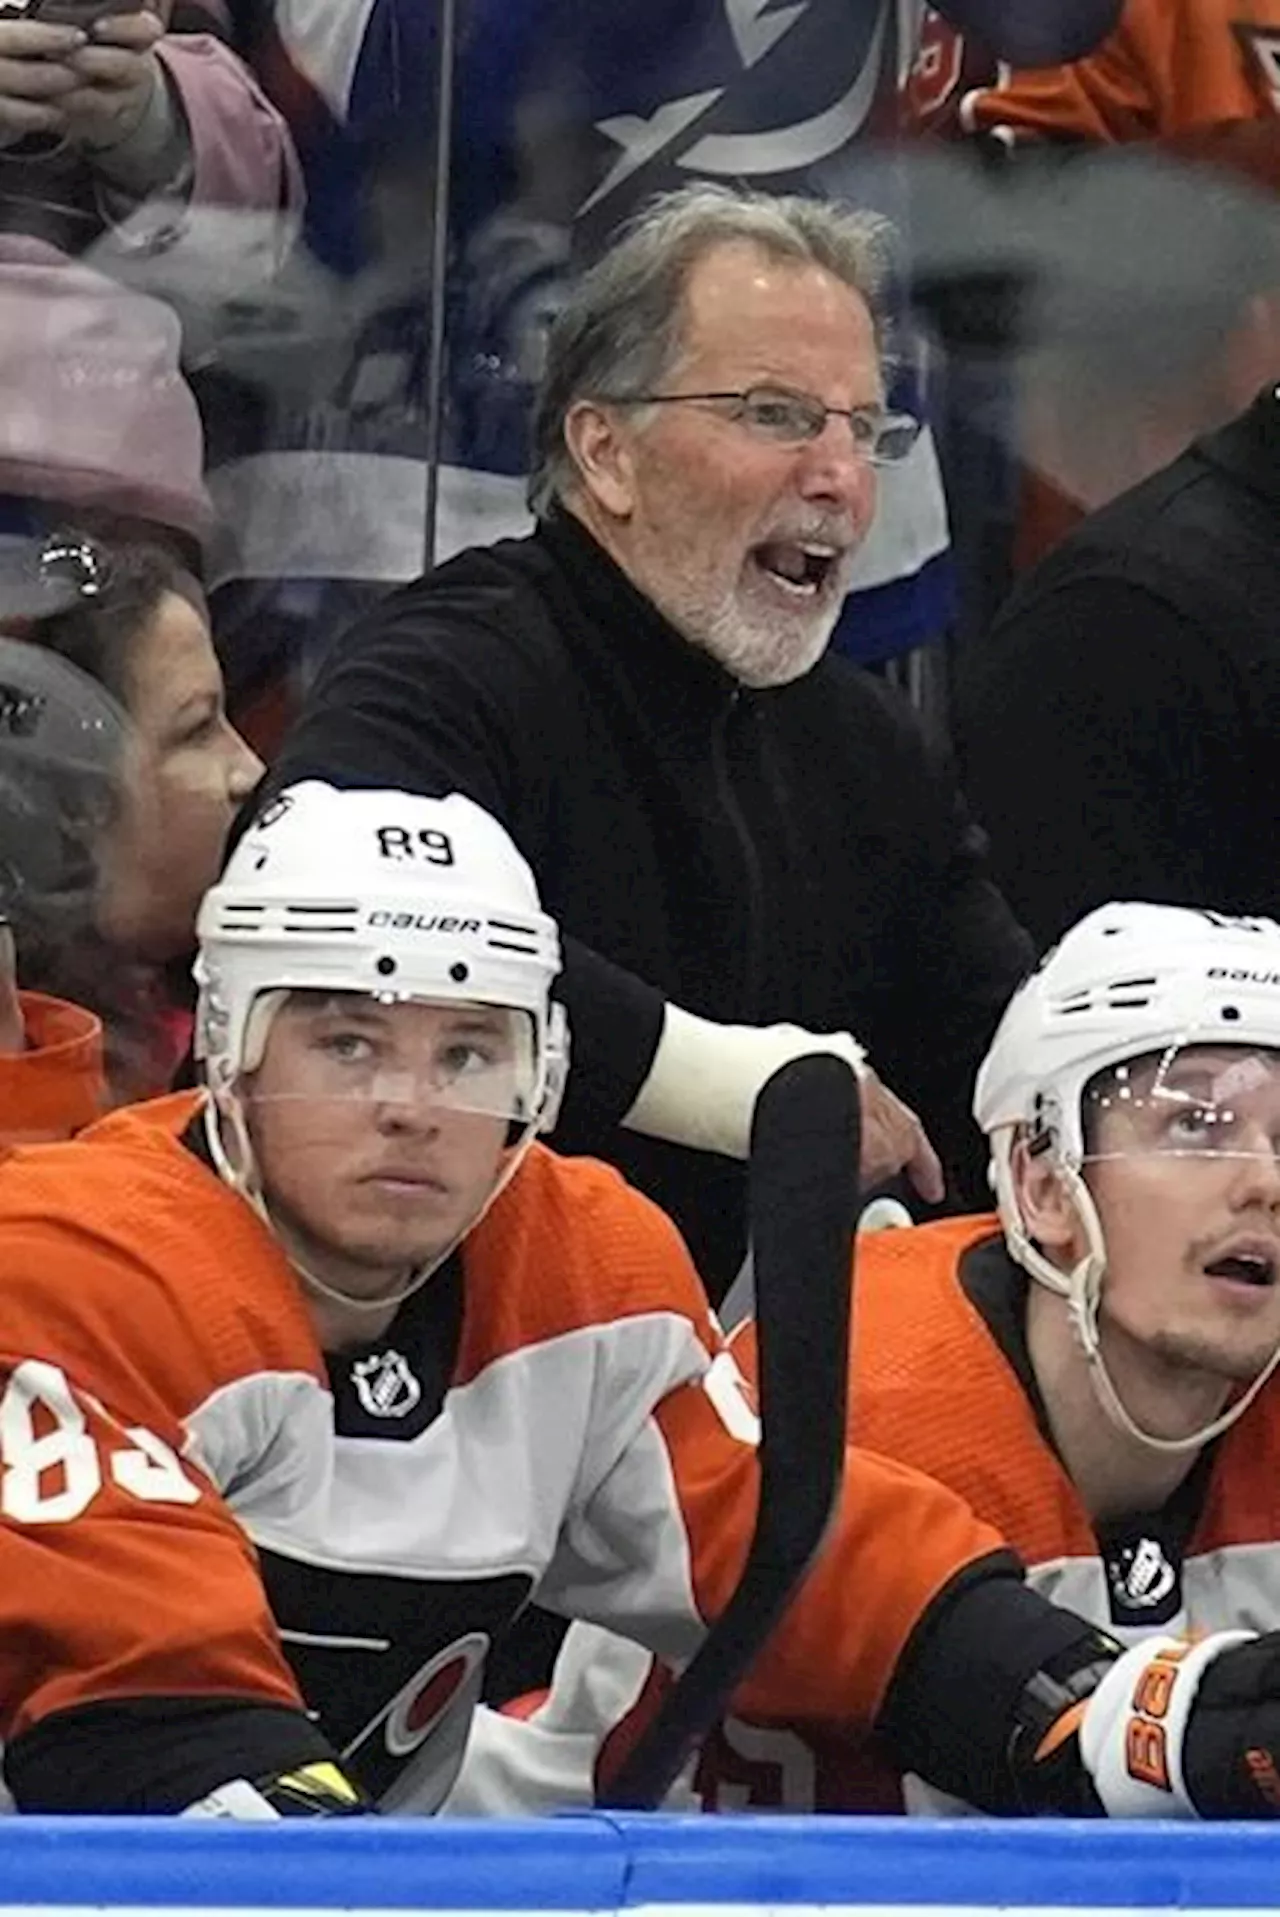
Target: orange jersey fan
[(1172, 68)]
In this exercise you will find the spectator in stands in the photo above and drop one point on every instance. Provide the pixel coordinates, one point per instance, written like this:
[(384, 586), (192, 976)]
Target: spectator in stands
[(749, 846), (97, 422), (1124, 384), (1200, 76), (1140, 345), (98, 119), (123, 143), (102, 931), (1117, 728)]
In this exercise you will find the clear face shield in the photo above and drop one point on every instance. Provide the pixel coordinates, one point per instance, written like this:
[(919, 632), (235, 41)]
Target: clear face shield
[(1179, 1195), (1188, 1106), (411, 1062), (381, 1128)]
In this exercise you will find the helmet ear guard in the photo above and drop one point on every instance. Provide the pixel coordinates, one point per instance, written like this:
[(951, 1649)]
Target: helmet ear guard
[(555, 1075)]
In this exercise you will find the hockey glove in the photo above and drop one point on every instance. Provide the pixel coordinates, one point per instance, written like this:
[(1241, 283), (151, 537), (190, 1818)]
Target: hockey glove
[(313, 1790), (1182, 1728)]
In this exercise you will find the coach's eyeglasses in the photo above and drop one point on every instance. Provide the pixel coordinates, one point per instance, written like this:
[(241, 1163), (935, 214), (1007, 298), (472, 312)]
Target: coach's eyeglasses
[(790, 419)]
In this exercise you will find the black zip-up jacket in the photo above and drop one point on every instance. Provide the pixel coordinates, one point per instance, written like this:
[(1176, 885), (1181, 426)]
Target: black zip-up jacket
[(789, 854), (1119, 723)]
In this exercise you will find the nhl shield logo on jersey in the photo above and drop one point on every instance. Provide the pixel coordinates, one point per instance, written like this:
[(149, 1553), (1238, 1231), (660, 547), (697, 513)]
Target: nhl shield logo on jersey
[(1144, 1581), (385, 1385)]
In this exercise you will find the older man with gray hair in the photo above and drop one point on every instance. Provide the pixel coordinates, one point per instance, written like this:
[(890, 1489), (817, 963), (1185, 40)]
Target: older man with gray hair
[(750, 848)]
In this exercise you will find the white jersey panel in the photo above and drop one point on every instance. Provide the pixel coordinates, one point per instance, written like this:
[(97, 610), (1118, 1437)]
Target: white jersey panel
[(488, 1485), (394, 1563)]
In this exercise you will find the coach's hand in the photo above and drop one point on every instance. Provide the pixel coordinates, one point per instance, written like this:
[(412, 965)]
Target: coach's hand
[(895, 1142), (705, 1078)]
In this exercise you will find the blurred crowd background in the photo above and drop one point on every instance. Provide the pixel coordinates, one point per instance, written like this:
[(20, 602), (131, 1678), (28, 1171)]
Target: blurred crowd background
[(275, 281)]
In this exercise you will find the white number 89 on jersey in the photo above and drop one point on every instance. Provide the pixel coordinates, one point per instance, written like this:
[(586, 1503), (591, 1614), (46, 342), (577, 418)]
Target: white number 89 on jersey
[(51, 1465)]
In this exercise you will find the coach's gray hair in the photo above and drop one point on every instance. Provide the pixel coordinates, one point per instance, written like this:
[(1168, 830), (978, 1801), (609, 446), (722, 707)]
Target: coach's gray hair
[(619, 332)]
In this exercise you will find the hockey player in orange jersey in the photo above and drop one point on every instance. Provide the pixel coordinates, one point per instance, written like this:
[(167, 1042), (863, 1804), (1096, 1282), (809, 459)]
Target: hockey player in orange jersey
[(310, 1381), (1092, 1370)]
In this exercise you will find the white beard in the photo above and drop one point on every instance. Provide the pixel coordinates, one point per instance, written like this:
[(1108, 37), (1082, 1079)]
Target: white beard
[(741, 622), (761, 651), (760, 659)]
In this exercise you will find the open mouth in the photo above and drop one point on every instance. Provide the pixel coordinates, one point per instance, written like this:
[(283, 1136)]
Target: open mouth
[(1245, 1268), (803, 568)]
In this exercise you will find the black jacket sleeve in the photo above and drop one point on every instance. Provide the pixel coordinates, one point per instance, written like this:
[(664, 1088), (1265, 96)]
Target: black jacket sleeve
[(402, 707), (1102, 733), (1035, 33), (960, 953)]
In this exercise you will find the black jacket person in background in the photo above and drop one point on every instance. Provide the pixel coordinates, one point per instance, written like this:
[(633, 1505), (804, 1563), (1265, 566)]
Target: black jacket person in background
[(1119, 723), (750, 849)]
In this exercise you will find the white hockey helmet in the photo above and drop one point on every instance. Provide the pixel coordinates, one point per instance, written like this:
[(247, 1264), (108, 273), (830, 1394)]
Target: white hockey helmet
[(1126, 982), (379, 892), (385, 893)]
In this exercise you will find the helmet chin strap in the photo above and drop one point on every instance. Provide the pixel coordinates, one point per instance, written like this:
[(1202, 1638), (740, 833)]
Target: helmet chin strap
[(238, 1168), (1082, 1289), (351, 1301)]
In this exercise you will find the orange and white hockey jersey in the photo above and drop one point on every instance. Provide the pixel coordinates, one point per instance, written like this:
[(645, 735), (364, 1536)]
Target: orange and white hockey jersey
[(938, 1380), (194, 1502), (1172, 67)]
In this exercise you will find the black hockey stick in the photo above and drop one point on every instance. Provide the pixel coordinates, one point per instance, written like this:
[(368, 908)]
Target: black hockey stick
[(802, 1200)]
